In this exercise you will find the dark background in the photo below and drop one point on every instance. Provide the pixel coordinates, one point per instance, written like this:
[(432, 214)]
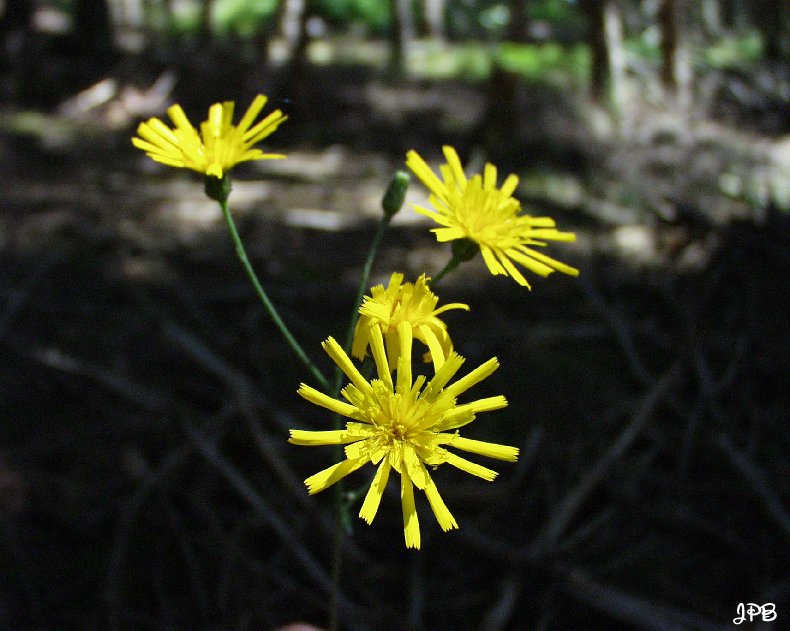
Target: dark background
[(145, 397)]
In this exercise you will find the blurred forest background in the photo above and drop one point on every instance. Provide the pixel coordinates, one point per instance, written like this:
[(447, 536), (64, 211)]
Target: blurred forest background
[(145, 397)]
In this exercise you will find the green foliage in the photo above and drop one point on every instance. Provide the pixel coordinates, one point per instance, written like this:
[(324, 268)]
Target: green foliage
[(554, 11), (463, 60), (566, 22), (486, 18), (547, 62), (726, 52), (731, 52), (494, 18), (550, 62), (243, 16), (373, 13), (646, 47), (185, 21)]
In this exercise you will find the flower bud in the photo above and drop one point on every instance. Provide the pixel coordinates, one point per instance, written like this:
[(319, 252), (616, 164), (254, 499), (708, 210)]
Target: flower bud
[(395, 194)]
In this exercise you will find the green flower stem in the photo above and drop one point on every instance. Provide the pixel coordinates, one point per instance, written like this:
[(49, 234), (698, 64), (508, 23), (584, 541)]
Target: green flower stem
[(361, 291), (278, 322), (451, 265), (337, 565), (463, 250)]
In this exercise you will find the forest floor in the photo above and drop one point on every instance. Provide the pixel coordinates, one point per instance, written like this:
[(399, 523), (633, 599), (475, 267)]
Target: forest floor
[(145, 477)]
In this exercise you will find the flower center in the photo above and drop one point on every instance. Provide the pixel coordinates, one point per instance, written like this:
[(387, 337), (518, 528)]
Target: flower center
[(399, 431)]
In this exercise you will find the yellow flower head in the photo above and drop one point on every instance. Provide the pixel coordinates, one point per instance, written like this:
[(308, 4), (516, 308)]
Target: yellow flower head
[(476, 209), (403, 425), (218, 147), (412, 303)]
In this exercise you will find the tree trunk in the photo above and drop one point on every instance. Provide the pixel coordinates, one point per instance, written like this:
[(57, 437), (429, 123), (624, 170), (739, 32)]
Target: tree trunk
[(434, 18), (401, 33), (615, 58), (138, 14), (599, 70), (732, 15), (16, 15), (292, 20), (606, 47), (712, 21), (92, 27), (15, 30), (771, 19), (675, 63), (206, 18), (518, 26)]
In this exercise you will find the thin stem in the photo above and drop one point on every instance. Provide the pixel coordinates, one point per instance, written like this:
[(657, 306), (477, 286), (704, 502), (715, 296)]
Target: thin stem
[(363, 287), (451, 265), (463, 250), (337, 565), (278, 322)]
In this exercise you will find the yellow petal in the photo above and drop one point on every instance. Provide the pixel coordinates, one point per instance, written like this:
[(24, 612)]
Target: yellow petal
[(415, 470), (331, 437), (326, 478), (325, 401), (180, 119), (155, 151), (380, 356), (167, 160), (264, 128), (396, 280), (430, 339), (509, 185), (450, 366), (361, 338), (373, 497), (404, 359), (424, 173), (365, 442), (551, 234), (157, 133), (464, 414), (215, 169), (511, 269), (454, 162), (451, 305), (491, 450), (489, 177), (431, 214), (215, 116), (525, 258), (338, 355), (476, 376), (539, 222), (491, 261), (411, 525), (440, 510), (560, 267), (487, 404), (252, 112), (470, 467), (449, 234)]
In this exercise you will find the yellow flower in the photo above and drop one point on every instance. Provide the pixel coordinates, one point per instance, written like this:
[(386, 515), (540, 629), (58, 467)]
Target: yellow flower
[(403, 425), (220, 145), (412, 303), (476, 209)]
